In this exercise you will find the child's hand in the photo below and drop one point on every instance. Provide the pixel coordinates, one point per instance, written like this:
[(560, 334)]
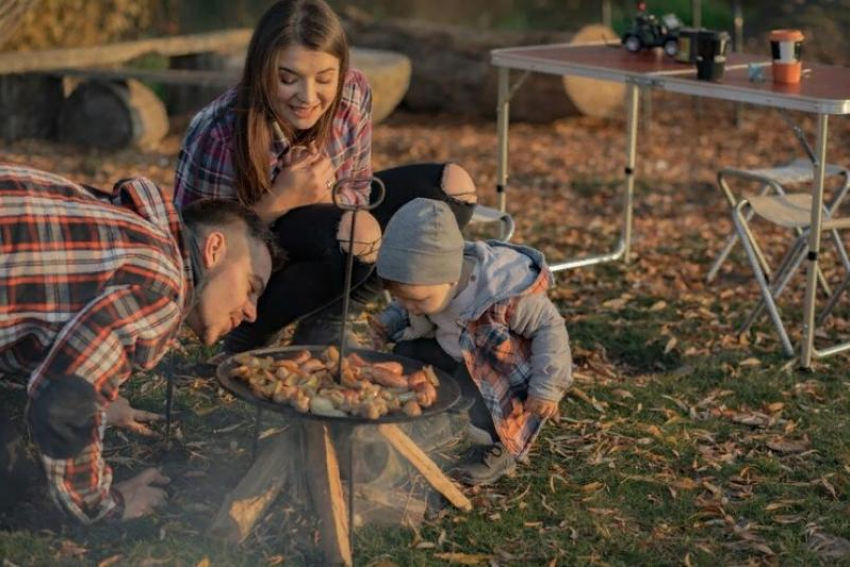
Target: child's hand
[(377, 333), (543, 409)]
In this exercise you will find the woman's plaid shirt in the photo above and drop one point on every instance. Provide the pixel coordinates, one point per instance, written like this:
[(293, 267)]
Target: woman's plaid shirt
[(205, 165), (93, 285)]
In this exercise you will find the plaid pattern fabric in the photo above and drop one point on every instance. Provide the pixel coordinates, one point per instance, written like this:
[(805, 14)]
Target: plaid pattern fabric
[(205, 164), (499, 362), (93, 285)]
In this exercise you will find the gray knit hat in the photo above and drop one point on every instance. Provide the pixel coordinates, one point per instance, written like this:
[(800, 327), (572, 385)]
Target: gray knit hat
[(422, 245)]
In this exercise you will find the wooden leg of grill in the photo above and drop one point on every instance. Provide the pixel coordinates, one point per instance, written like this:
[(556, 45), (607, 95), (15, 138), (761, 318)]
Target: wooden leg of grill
[(426, 467), (326, 490)]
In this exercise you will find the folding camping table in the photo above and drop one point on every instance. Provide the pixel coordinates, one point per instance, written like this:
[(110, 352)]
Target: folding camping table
[(825, 90)]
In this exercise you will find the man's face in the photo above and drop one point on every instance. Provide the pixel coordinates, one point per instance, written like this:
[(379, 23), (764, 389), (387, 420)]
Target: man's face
[(306, 85), (423, 299), (238, 269)]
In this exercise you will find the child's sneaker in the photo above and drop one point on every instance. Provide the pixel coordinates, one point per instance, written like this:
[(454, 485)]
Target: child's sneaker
[(478, 436), (485, 465)]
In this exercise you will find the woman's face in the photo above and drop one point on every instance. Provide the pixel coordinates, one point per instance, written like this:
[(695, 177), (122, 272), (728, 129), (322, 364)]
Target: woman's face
[(306, 85)]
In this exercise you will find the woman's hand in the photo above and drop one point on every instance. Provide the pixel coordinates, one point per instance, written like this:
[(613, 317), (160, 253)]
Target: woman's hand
[(307, 179)]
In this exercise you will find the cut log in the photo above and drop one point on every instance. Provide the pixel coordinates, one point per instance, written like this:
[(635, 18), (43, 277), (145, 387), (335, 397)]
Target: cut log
[(29, 105), (452, 71), (426, 467), (247, 503), (112, 115), (388, 73), (326, 490), (122, 52), (589, 96), (181, 99)]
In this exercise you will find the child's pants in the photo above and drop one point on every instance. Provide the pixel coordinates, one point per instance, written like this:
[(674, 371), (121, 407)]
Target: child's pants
[(430, 352)]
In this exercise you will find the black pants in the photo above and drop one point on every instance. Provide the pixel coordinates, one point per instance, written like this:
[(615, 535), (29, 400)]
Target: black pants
[(312, 277), (430, 352)]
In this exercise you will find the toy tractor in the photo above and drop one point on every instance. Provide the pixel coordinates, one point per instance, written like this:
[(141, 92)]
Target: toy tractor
[(648, 32)]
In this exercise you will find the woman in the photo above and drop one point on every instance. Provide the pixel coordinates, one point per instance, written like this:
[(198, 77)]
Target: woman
[(299, 121)]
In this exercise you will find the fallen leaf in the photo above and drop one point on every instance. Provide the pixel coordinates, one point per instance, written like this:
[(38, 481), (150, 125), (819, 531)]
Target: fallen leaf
[(464, 558), (783, 445), (110, 560), (205, 562)]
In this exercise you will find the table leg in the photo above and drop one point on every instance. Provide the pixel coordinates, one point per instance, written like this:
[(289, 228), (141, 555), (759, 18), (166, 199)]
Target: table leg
[(807, 347), (624, 245), (631, 158), (502, 119)]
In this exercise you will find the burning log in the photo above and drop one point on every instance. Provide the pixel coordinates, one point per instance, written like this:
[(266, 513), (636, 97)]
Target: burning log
[(247, 503)]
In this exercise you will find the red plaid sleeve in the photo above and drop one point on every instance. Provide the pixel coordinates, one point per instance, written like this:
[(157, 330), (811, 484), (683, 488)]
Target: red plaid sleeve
[(126, 328)]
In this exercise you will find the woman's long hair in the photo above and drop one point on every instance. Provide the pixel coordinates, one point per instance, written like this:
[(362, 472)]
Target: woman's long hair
[(308, 23)]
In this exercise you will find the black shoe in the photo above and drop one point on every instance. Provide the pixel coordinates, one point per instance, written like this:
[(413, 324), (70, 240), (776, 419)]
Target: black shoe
[(485, 465), (324, 328)]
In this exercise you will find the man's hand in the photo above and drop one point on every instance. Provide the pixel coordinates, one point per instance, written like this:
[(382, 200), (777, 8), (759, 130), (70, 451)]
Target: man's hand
[(120, 414), (140, 499), (377, 333), (543, 409)]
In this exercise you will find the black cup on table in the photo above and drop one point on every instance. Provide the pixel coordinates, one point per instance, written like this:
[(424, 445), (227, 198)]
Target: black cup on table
[(711, 54)]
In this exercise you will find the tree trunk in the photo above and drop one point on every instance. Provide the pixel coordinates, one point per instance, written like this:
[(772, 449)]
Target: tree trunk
[(452, 71), (112, 115)]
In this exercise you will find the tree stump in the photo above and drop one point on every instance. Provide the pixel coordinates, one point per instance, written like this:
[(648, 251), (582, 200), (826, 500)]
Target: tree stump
[(29, 105), (111, 115)]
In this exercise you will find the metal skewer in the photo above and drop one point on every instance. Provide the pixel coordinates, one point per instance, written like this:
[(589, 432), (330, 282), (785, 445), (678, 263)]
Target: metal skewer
[(346, 292)]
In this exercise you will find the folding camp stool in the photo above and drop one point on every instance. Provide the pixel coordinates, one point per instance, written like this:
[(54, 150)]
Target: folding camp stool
[(483, 214), (771, 181), (789, 211)]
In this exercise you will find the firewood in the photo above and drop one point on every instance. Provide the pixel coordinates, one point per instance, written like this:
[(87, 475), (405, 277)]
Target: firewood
[(245, 505)]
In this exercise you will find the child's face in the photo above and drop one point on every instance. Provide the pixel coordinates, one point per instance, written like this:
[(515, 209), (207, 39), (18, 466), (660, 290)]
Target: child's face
[(423, 299)]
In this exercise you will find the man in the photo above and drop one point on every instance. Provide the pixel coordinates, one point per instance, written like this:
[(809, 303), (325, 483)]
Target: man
[(94, 285)]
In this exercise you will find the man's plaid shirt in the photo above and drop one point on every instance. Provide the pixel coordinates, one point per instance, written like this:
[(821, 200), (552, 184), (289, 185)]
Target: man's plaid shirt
[(205, 165), (93, 285)]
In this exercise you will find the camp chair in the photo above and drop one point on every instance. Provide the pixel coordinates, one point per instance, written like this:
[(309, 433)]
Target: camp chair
[(483, 214), (792, 211), (770, 181)]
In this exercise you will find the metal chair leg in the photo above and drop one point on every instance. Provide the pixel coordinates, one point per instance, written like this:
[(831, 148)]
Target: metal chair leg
[(833, 300), (789, 265), (746, 240)]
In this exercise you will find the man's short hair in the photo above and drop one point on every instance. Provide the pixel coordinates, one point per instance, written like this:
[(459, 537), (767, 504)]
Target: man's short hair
[(218, 213)]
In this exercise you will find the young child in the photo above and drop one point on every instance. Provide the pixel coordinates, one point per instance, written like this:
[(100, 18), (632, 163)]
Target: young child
[(478, 310)]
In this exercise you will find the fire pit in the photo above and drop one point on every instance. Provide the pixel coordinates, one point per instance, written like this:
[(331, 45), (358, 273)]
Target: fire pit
[(316, 434)]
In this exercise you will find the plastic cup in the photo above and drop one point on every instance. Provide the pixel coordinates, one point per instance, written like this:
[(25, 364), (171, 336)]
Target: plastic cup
[(711, 55), (786, 46)]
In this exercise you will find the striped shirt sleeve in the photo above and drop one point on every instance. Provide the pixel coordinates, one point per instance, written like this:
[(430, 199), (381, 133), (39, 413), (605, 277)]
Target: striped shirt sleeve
[(123, 328)]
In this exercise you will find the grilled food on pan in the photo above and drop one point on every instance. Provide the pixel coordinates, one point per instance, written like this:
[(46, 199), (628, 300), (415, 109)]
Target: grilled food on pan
[(367, 389)]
